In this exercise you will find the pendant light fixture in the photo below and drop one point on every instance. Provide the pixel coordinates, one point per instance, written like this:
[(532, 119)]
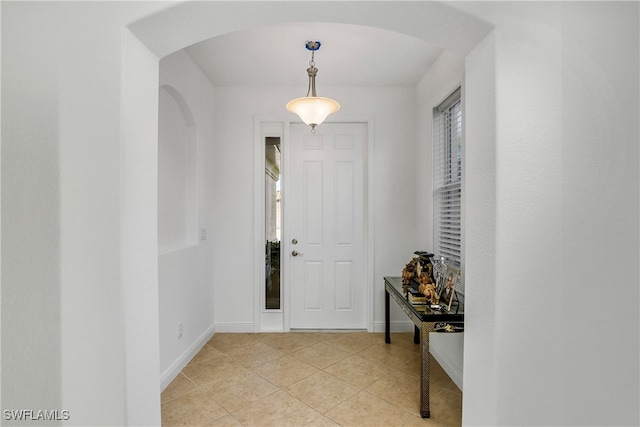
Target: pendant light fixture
[(313, 109)]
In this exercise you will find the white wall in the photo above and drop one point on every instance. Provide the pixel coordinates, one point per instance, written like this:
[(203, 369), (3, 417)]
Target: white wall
[(479, 405), (31, 282), (185, 270), (394, 183), (600, 155), (558, 168), (138, 242), (72, 272)]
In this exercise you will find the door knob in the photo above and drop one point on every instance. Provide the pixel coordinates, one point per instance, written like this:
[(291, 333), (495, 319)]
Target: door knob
[(296, 253)]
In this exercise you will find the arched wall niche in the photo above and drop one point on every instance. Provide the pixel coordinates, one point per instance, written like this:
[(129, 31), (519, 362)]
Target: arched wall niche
[(177, 172), (187, 114)]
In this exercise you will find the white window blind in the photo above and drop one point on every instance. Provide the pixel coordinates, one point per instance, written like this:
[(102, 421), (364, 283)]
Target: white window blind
[(447, 170)]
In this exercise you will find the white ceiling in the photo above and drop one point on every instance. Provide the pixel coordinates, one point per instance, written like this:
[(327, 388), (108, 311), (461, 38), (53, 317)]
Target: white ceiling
[(349, 56)]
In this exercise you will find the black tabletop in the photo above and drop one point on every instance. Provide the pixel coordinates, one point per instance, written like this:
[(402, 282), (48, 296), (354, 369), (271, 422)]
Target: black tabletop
[(393, 285)]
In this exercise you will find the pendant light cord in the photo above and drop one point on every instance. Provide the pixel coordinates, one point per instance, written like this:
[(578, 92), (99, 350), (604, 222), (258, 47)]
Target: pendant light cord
[(312, 71)]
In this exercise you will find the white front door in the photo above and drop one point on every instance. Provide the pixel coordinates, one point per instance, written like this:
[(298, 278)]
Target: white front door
[(326, 212)]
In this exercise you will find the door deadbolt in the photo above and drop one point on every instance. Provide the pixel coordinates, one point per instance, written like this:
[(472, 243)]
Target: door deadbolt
[(294, 241)]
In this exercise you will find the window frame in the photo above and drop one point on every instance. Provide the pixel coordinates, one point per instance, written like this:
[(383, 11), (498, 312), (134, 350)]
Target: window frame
[(448, 179)]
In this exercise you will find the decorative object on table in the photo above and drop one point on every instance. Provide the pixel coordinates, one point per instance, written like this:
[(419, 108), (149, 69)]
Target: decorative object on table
[(447, 294), (414, 270), (424, 263), (449, 327), (439, 268), (415, 297), (409, 271), (416, 266), (427, 288)]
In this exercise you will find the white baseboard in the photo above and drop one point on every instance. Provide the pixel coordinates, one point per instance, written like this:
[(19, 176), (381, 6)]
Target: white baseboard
[(235, 327), (176, 367), (395, 326)]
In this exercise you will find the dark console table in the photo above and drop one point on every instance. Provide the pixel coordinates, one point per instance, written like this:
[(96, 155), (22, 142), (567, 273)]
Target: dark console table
[(425, 320)]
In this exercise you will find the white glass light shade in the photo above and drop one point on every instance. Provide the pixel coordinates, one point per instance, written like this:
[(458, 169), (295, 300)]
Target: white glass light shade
[(313, 109)]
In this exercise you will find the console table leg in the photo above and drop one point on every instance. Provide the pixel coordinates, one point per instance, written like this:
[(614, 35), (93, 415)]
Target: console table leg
[(425, 328), (416, 335), (387, 328)]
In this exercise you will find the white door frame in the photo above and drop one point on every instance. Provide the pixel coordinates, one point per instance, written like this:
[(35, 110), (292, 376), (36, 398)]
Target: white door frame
[(279, 320)]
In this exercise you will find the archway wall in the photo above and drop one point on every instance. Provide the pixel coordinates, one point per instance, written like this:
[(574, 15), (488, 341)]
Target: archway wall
[(564, 133), (196, 21)]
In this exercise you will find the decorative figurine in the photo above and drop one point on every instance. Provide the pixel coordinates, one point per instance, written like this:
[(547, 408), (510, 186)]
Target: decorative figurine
[(420, 271), (409, 272), (427, 289)]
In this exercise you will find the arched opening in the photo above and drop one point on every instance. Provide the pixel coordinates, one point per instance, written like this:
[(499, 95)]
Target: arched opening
[(195, 22)]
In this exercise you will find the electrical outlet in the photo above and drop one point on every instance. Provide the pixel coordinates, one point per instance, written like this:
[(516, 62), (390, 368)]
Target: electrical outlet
[(179, 330), (203, 234)]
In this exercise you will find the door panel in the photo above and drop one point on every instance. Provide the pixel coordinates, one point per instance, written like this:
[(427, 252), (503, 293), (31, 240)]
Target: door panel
[(312, 202), (325, 208), (345, 215), (313, 285), (344, 285)]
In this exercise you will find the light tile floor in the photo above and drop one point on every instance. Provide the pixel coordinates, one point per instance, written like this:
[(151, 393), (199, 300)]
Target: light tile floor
[(308, 379)]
